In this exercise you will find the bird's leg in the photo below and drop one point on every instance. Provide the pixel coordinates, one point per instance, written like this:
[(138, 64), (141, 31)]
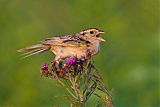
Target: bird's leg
[(57, 59)]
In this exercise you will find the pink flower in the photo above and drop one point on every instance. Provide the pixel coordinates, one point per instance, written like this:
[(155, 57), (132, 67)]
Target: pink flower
[(44, 67), (71, 61)]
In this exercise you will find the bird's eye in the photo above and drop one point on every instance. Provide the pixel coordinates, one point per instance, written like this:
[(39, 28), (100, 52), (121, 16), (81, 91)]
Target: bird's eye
[(91, 32)]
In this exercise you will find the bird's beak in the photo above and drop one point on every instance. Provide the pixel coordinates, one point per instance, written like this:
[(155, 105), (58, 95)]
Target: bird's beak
[(101, 32), (99, 38)]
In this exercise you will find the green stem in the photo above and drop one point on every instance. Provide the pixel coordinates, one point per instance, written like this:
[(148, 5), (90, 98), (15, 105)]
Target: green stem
[(66, 88), (73, 85)]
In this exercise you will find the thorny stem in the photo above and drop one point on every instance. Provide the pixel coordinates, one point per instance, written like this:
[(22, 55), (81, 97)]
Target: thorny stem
[(80, 93), (73, 85), (66, 88), (76, 88)]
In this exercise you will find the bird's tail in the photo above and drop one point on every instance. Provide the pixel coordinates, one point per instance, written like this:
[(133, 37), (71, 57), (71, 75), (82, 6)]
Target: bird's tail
[(34, 49)]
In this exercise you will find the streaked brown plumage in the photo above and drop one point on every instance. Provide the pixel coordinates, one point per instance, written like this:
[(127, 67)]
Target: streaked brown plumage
[(70, 45)]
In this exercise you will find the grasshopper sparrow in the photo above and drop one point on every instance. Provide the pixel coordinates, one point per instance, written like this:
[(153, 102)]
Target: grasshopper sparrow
[(77, 45)]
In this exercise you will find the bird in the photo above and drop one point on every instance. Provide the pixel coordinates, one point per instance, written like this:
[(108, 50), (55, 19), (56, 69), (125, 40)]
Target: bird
[(74, 45)]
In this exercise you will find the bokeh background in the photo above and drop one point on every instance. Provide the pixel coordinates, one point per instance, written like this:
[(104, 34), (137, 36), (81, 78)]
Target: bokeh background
[(128, 61)]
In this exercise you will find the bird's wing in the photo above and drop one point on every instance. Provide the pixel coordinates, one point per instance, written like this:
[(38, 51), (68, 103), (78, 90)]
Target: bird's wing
[(69, 40)]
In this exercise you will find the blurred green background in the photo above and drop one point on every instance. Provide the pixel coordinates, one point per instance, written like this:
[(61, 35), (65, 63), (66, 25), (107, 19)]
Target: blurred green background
[(128, 61)]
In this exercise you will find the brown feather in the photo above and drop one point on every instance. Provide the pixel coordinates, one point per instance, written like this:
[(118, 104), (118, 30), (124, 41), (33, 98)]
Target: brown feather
[(34, 49)]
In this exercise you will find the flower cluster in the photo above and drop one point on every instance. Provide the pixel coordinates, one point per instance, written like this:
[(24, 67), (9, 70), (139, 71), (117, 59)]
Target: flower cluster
[(64, 68)]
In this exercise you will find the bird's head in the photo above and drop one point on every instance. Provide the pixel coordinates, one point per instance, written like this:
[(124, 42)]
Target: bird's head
[(92, 34)]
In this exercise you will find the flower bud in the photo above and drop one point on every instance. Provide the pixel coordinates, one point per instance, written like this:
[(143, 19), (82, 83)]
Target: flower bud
[(53, 64), (44, 70), (60, 73), (44, 67)]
